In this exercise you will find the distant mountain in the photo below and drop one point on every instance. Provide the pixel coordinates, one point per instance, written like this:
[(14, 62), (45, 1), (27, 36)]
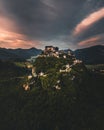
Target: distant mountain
[(91, 55), (18, 54)]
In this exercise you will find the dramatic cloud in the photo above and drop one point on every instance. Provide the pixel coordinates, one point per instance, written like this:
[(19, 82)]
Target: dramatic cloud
[(44, 19), (7, 24), (96, 40), (14, 40), (88, 21), (64, 23)]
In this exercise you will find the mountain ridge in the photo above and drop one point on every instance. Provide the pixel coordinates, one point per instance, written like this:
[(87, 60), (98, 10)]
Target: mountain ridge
[(18, 54), (91, 55)]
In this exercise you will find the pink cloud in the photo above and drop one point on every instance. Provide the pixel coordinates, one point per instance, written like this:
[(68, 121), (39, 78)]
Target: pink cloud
[(10, 36), (88, 21), (99, 39), (15, 40)]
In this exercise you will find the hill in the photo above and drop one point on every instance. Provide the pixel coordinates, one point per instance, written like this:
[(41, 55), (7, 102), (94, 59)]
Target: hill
[(91, 55), (18, 54), (64, 96)]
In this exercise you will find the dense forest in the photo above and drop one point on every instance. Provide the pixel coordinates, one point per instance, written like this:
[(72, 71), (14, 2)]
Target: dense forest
[(78, 105)]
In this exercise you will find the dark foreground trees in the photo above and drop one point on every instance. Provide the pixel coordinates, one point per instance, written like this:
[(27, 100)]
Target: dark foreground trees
[(78, 105), (80, 108)]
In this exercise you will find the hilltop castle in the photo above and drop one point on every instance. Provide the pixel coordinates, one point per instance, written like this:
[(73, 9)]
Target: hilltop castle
[(51, 51)]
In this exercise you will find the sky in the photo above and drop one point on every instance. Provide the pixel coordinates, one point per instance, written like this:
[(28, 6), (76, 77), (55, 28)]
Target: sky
[(64, 23)]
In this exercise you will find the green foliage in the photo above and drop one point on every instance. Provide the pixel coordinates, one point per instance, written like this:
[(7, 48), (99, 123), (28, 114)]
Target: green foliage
[(8, 71), (48, 63), (77, 106)]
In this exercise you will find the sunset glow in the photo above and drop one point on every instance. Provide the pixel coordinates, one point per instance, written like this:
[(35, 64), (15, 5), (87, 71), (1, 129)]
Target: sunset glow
[(14, 40), (92, 41), (38, 23), (88, 21), (10, 36)]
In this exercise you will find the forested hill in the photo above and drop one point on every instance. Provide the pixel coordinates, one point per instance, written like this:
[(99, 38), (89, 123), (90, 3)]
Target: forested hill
[(91, 55), (58, 73), (64, 96), (18, 54)]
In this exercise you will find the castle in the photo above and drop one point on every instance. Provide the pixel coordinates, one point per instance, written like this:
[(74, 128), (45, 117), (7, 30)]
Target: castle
[(51, 51)]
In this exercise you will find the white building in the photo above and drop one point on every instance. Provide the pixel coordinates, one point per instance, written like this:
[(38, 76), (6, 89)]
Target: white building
[(67, 66), (29, 77), (64, 56), (66, 70), (42, 74), (58, 81), (34, 75), (57, 87), (26, 87), (77, 61), (29, 66)]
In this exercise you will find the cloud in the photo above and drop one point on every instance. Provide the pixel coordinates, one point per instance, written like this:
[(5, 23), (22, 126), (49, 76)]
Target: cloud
[(10, 37), (7, 24), (43, 19), (46, 22), (95, 40), (88, 21), (15, 40)]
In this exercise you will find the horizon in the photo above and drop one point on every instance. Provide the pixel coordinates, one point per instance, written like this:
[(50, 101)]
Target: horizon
[(53, 46), (73, 24)]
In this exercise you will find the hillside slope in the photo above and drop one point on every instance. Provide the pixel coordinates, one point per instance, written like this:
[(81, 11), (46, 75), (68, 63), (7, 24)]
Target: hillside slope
[(18, 54), (64, 96), (91, 55)]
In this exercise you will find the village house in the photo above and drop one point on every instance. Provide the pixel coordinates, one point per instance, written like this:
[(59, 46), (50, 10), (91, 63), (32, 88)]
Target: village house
[(57, 87), (77, 61), (67, 66), (65, 70), (29, 77), (42, 74), (26, 87), (64, 56), (29, 66), (34, 72)]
